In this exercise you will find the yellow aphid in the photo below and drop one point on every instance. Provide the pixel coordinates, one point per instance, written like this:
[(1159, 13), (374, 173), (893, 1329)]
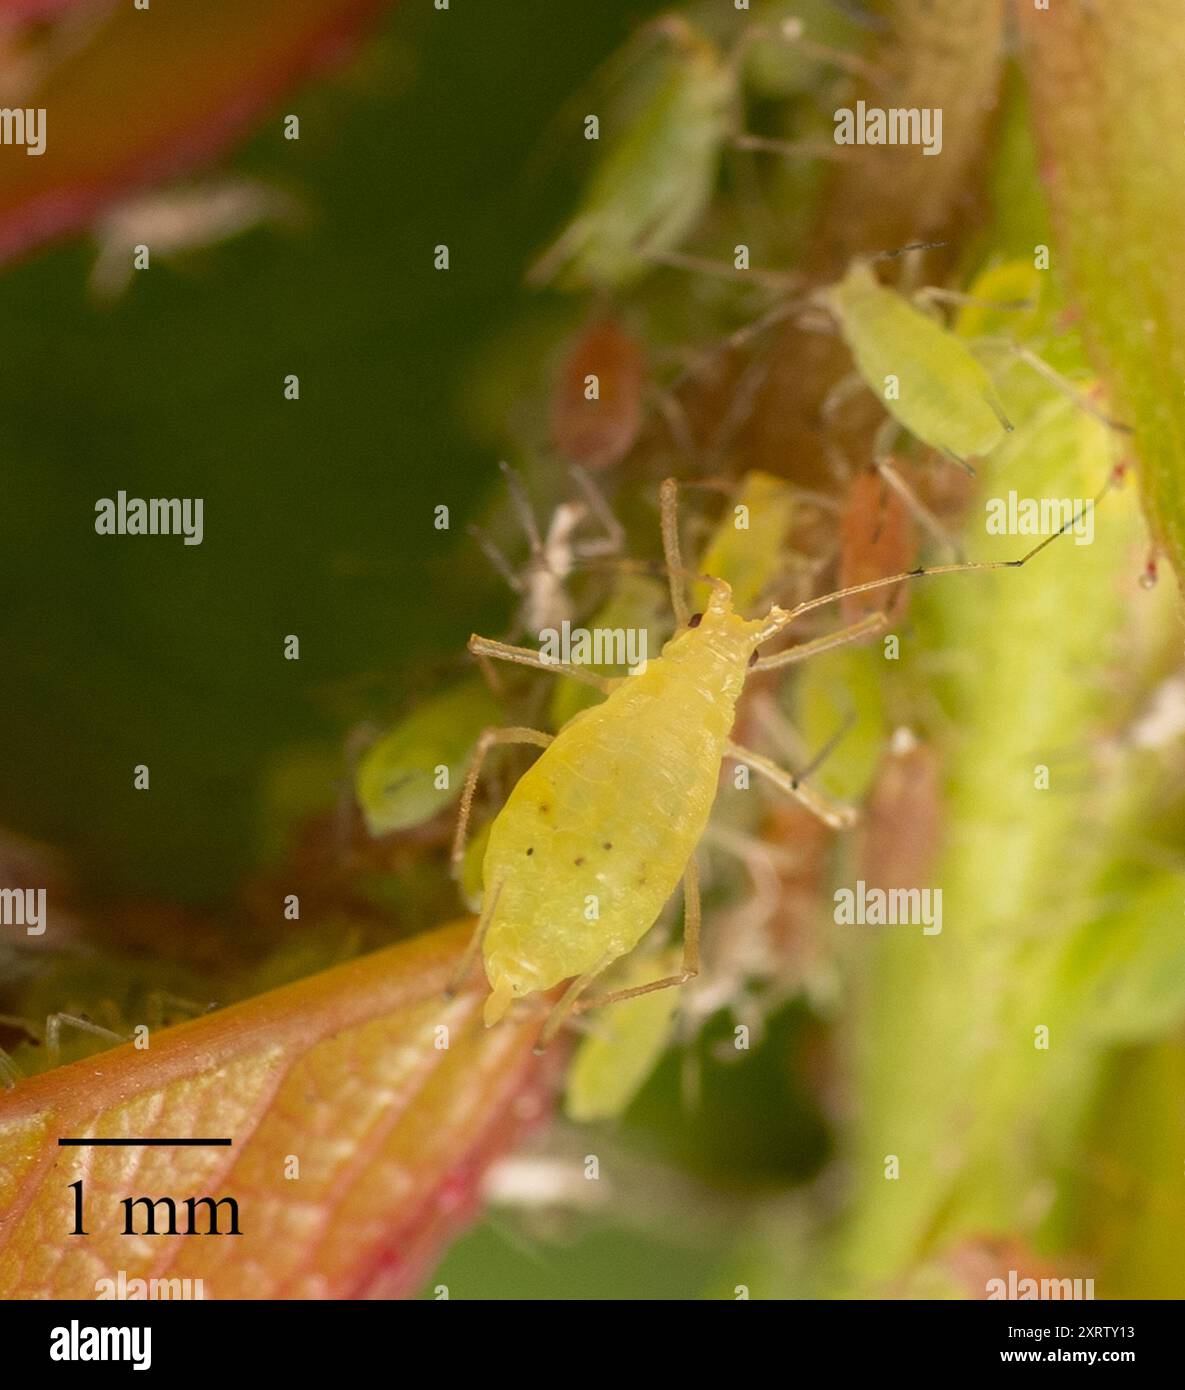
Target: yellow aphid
[(614, 1060), (599, 831), (748, 546), (992, 301), (597, 834), (638, 602), (928, 378)]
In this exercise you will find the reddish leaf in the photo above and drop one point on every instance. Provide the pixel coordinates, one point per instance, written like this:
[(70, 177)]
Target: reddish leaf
[(345, 1073), (152, 93)]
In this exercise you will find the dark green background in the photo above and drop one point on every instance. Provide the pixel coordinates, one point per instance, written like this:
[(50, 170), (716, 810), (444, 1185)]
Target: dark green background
[(318, 513), (318, 522)]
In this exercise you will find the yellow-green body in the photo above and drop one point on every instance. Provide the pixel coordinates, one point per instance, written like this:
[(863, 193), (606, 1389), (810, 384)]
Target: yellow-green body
[(637, 602), (748, 546), (617, 1056), (656, 177), (945, 396), (596, 835), (401, 780)]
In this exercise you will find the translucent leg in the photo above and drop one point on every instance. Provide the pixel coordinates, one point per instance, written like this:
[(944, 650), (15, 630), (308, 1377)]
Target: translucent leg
[(53, 1033), (527, 656), (866, 627), (829, 812), (490, 738), (692, 917), (467, 961)]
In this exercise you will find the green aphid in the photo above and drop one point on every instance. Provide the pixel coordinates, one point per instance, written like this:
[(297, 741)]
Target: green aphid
[(927, 376), (637, 602), (416, 769), (841, 691), (992, 307), (615, 1059), (748, 546), (658, 171)]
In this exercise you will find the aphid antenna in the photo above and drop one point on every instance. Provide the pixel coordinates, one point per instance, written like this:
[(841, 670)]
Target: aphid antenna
[(781, 618), (904, 250), (1058, 382)]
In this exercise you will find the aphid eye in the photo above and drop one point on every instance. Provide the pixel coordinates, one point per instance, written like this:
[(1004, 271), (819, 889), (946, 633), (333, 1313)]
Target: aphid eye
[(695, 620), (753, 657)]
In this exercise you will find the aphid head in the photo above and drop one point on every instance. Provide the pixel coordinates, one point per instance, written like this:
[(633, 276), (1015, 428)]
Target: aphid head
[(719, 627)]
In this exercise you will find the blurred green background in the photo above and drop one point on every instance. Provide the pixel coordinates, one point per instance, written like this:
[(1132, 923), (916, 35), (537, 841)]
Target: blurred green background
[(318, 513)]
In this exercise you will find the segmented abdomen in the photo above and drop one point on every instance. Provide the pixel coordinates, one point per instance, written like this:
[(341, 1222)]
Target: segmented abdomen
[(596, 834)]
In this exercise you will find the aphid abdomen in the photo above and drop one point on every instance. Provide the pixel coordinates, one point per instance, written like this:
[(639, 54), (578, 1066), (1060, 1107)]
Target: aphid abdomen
[(926, 376), (597, 833)]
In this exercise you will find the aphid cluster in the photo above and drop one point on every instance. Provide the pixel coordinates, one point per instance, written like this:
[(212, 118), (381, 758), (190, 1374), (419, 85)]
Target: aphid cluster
[(603, 826)]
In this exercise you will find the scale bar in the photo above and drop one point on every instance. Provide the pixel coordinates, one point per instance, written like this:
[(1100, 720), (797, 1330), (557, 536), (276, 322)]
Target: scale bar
[(144, 1143)]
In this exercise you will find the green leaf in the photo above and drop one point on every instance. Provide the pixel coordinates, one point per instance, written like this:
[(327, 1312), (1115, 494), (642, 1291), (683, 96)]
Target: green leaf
[(1106, 88)]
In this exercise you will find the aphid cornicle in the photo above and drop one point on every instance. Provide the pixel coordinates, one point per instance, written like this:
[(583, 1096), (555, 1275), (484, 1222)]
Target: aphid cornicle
[(598, 832)]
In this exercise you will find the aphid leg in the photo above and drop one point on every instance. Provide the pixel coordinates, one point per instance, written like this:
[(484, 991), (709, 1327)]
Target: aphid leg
[(496, 558), (838, 396), (521, 502), (1065, 386), (490, 738), (801, 149), (707, 358), (866, 627), (916, 507), (675, 417), (669, 502), (160, 1004), (793, 31), (935, 294), (473, 950), (53, 1033), (568, 1002), (613, 540), (737, 412), (830, 813), (10, 1073), (527, 656), (692, 918), (960, 461)]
